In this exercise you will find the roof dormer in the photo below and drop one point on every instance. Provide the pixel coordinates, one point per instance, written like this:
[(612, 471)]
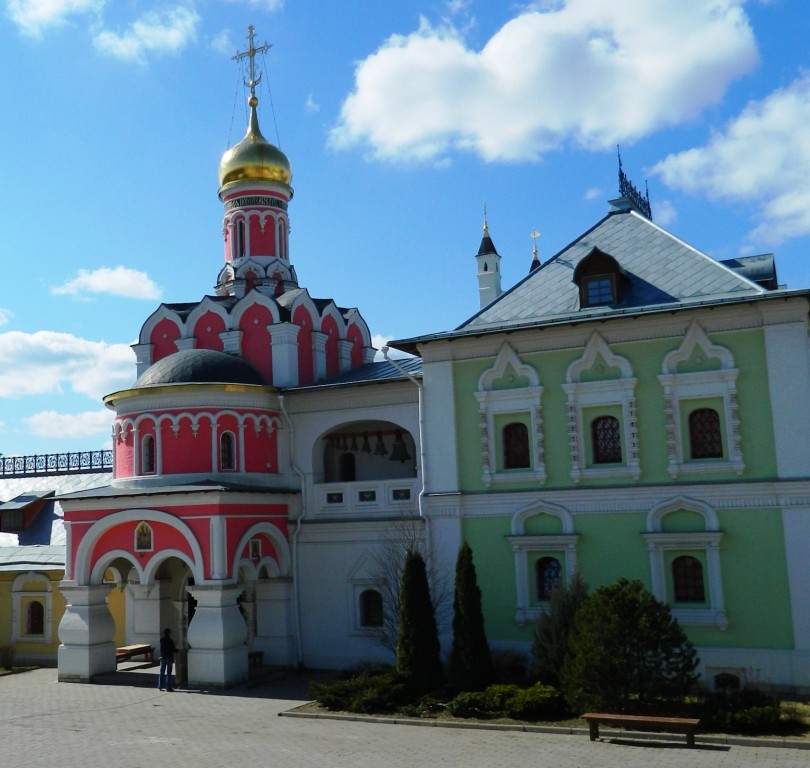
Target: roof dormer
[(600, 279)]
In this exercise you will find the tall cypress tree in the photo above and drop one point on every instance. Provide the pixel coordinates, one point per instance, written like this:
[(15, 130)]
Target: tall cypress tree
[(470, 663), (418, 650)]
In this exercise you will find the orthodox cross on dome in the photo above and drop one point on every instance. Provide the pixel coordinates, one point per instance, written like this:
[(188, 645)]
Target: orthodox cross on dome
[(250, 53)]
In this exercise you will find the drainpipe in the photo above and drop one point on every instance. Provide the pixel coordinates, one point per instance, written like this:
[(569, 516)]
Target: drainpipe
[(422, 452), (296, 595)]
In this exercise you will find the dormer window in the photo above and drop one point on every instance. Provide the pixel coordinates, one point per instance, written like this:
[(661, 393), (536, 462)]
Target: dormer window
[(600, 280), (599, 289)]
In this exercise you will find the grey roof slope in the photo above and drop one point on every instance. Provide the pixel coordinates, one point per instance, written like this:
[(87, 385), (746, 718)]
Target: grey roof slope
[(198, 366), (661, 270), (32, 558), (370, 373)]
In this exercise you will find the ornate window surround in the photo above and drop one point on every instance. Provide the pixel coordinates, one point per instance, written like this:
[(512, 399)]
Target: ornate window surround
[(588, 394), (706, 542), (19, 602), (494, 402), (564, 544), (681, 387)]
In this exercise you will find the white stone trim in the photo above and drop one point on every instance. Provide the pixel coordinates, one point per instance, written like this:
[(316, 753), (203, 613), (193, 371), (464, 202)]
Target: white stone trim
[(582, 395), (492, 402), (682, 387), (706, 541)]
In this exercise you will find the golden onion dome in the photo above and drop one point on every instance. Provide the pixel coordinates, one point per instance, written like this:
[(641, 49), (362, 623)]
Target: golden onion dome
[(254, 158)]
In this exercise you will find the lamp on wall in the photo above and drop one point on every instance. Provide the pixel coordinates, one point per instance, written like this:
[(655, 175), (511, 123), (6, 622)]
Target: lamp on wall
[(399, 451)]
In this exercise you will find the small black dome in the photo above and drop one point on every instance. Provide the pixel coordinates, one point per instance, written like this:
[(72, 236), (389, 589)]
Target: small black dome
[(199, 366)]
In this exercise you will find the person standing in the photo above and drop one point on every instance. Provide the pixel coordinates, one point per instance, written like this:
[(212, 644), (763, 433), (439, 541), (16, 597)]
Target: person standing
[(167, 651)]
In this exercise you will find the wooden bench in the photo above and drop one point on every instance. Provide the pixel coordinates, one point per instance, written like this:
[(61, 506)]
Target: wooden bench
[(255, 659), (126, 652), (686, 725)]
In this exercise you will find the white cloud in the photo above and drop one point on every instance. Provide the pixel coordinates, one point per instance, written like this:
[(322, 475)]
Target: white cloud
[(52, 424), (378, 341), (664, 212), (46, 361), (594, 193), (115, 281), (221, 42), (761, 156), (311, 105), (262, 5), (32, 16), (585, 71), (155, 32), (5, 315)]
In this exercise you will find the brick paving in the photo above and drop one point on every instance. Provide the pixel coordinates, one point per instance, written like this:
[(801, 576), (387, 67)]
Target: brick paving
[(46, 723)]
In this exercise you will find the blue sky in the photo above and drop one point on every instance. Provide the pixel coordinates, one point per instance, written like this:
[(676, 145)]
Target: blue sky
[(401, 121)]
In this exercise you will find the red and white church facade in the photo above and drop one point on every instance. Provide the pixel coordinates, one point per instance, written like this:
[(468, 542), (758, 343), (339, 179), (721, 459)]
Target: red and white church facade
[(245, 484)]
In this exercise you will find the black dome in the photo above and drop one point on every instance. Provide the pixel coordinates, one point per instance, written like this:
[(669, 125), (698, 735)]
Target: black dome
[(199, 366)]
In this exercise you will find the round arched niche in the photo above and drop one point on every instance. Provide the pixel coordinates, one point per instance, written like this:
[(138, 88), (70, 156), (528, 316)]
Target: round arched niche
[(364, 451)]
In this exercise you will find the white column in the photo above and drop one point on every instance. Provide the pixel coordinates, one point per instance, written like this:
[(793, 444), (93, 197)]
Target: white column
[(274, 622), (319, 354), (216, 636), (284, 345), (86, 633), (345, 354)]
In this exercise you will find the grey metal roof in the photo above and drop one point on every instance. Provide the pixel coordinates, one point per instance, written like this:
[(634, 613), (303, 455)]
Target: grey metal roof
[(202, 486), (34, 558), (661, 270), (370, 373), (61, 484), (199, 366)]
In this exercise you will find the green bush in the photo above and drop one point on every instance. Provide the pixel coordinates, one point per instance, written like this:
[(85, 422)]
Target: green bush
[(540, 702), (378, 692), (742, 711), (469, 704)]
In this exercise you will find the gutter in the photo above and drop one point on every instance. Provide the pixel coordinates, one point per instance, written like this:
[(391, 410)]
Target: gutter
[(422, 451), (296, 594)]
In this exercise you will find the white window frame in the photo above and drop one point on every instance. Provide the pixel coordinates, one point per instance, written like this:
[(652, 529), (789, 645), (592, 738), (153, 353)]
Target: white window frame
[(18, 634), (584, 395), (562, 545), (519, 401), (705, 542), (680, 388)]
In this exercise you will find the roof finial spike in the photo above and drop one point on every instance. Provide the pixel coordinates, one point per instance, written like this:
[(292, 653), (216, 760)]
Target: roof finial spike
[(250, 53), (485, 227), (535, 258)]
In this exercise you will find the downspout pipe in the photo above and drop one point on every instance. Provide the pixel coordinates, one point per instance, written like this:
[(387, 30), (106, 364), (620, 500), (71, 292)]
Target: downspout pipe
[(296, 593), (422, 451)]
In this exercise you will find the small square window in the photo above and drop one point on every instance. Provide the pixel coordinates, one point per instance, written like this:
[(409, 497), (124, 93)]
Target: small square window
[(598, 290)]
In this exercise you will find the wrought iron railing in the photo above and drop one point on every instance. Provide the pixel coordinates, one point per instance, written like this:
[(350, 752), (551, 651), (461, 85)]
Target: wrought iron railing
[(41, 465)]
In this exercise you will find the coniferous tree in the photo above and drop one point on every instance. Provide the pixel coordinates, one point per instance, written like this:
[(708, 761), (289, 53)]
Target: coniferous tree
[(553, 627), (626, 652), (418, 650), (470, 663)]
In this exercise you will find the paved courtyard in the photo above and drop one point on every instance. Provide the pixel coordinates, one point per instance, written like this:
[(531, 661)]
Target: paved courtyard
[(45, 723)]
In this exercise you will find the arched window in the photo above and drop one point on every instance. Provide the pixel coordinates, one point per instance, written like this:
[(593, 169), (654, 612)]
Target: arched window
[(547, 572), (35, 618), (227, 454), (705, 438), (148, 455), (687, 580), (347, 468), (371, 608), (239, 245), (516, 446), (606, 439)]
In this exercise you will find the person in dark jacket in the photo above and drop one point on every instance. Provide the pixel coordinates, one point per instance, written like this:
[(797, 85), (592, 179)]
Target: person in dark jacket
[(167, 651)]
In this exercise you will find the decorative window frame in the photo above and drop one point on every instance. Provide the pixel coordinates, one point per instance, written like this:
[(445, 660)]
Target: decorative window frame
[(20, 599), (682, 387), (495, 402), (706, 542), (523, 545), (583, 395), (361, 578)]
